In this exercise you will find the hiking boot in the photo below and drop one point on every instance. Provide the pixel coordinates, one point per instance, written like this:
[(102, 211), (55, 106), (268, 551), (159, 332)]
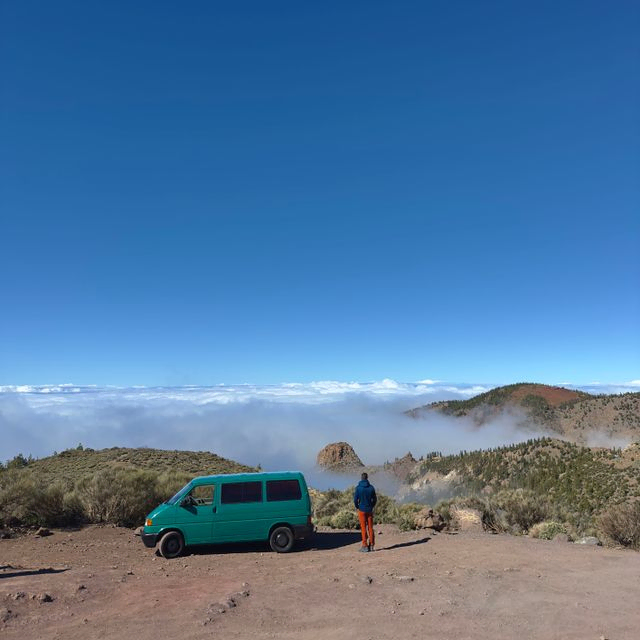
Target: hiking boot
[(364, 549), (370, 547)]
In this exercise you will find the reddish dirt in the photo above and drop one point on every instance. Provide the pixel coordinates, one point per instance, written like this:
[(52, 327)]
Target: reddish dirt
[(105, 584), (555, 396)]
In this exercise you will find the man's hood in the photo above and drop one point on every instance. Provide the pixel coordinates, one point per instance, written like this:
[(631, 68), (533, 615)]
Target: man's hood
[(363, 483)]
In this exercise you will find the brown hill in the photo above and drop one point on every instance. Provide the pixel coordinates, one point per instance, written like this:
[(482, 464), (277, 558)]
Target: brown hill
[(576, 415), (338, 456)]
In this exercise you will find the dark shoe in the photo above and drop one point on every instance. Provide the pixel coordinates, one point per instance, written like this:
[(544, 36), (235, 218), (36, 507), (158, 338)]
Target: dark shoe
[(370, 547)]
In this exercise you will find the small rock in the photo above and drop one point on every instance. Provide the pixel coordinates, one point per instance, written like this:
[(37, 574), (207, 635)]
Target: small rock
[(590, 541), (81, 587), (366, 579), (42, 532), (404, 578), (6, 614), (19, 595), (45, 597)]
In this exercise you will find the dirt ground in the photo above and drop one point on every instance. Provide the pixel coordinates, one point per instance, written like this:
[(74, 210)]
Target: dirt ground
[(101, 582)]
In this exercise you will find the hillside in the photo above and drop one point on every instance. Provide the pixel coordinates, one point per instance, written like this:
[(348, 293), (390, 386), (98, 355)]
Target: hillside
[(114, 485), (572, 483), (72, 464), (575, 415)]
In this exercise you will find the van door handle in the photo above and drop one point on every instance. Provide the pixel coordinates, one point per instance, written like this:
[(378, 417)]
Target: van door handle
[(214, 509)]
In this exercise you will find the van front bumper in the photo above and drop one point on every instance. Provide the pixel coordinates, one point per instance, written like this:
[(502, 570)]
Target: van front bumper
[(149, 539)]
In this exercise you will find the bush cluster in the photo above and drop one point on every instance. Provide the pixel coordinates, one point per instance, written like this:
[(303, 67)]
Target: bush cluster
[(334, 508), (508, 511), (115, 496)]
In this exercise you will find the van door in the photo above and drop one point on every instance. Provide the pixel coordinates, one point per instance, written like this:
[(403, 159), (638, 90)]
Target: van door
[(197, 514), (241, 512)]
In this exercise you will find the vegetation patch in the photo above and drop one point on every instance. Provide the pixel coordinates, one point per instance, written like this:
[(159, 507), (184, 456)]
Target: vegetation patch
[(116, 486)]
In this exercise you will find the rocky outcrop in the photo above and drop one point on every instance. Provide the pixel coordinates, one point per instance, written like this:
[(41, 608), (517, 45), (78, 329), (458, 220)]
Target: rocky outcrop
[(401, 467), (428, 519), (339, 456)]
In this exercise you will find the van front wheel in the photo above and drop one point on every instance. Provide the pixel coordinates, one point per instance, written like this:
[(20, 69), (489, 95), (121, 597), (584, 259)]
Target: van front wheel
[(171, 545), (281, 539)]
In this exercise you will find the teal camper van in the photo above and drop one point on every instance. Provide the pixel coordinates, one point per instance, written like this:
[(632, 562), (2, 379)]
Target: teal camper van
[(242, 507)]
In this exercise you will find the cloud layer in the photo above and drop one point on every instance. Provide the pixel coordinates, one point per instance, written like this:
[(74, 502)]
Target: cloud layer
[(277, 426)]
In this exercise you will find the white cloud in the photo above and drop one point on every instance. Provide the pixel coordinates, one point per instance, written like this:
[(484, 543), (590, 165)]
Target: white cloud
[(278, 426)]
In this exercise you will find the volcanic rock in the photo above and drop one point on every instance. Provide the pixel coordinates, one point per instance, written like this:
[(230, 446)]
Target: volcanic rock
[(339, 456)]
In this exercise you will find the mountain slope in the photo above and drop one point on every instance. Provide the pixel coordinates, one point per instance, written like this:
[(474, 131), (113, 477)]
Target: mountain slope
[(576, 415)]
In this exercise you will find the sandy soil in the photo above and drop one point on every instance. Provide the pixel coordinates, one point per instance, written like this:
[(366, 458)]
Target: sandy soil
[(103, 583)]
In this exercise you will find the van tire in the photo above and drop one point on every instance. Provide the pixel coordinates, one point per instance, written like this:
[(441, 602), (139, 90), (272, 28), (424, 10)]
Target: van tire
[(281, 539), (171, 545)]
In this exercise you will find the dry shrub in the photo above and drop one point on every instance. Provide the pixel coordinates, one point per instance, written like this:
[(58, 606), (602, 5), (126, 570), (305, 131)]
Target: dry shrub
[(169, 483), (621, 524), (27, 500), (120, 497), (522, 508)]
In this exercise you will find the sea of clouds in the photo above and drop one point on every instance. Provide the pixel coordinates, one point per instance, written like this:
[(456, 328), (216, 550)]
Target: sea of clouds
[(277, 426)]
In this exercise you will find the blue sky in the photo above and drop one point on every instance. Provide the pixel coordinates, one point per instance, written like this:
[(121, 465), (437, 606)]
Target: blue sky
[(271, 192)]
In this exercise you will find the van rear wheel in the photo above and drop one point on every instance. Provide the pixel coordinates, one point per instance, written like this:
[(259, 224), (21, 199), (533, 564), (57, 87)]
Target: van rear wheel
[(281, 539), (171, 544)]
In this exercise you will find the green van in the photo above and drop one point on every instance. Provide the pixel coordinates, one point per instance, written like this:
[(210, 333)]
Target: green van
[(238, 507)]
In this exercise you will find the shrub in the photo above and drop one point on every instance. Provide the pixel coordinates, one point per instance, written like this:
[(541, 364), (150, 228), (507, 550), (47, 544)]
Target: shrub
[(27, 500), (406, 516), (345, 519), (120, 497), (522, 508), (621, 524), (547, 530)]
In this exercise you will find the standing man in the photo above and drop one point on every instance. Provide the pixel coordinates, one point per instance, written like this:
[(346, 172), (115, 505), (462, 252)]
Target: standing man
[(364, 499)]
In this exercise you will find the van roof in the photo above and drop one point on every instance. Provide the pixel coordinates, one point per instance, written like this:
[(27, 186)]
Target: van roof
[(248, 477)]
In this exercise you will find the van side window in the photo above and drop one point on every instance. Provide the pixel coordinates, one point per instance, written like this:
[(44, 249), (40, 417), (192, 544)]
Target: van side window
[(203, 493), (283, 490), (234, 492)]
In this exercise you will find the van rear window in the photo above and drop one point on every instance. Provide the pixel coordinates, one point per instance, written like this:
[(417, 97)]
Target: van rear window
[(234, 492), (283, 490)]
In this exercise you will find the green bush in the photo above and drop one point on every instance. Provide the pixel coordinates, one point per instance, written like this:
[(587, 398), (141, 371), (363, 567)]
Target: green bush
[(406, 516), (345, 519), (547, 530)]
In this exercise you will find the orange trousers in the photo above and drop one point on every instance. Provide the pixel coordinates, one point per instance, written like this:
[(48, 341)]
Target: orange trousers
[(366, 527)]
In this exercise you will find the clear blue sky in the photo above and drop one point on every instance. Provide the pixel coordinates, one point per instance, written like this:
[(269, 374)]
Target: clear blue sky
[(211, 192)]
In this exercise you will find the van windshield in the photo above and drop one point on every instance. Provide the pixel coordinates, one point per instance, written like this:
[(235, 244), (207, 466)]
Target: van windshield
[(180, 494)]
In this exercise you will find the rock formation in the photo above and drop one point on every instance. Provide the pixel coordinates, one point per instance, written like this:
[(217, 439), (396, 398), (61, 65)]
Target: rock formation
[(339, 456)]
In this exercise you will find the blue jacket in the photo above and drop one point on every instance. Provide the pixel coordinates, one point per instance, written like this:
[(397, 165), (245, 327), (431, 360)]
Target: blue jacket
[(364, 497)]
